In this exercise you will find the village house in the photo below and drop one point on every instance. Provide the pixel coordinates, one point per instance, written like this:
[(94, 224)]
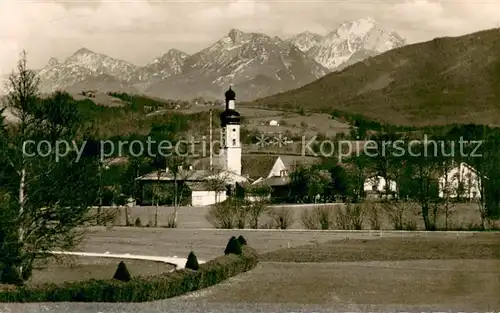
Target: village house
[(461, 182), (377, 187)]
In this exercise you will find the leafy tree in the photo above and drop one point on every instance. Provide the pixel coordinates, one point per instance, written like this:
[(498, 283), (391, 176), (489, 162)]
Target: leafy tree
[(386, 159), (308, 182), (487, 163), (47, 197), (341, 183), (298, 184), (359, 168)]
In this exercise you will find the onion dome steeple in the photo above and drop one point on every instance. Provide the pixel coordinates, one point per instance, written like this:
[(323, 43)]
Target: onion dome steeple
[(230, 116)]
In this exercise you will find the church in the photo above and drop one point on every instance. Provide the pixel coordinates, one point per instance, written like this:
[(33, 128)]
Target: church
[(201, 187)]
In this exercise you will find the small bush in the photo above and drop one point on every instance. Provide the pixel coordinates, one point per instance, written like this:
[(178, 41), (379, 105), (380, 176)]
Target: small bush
[(374, 217), (321, 217), (172, 221), (410, 225), (233, 246), (223, 215), (351, 217), (192, 262), (281, 218), (122, 272), (138, 222), (242, 240), (396, 211)]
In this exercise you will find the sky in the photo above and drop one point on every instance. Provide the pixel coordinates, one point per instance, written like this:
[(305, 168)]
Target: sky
[(139, 30)]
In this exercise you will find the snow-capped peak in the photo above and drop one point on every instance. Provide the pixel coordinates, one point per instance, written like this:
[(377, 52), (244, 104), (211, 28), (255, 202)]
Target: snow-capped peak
[(358, 27), (305, 40), (349, 43), (235, 35)]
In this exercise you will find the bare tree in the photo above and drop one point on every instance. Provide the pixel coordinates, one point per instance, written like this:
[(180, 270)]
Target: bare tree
[(223, 215), (216, 180), (259, 203), (397, 211), (281, 218), (351, 217), (447, 190)]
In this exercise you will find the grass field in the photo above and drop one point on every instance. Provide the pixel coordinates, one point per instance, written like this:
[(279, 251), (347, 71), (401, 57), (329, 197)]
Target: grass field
[(480, 246), (362, 286), (71, 268), (410, 273), (433, 272)]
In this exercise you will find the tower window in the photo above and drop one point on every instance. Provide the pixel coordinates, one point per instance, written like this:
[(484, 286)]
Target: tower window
[(234, 129), (234, 142)]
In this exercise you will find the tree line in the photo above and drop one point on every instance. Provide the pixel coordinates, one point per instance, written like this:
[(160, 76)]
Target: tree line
[(416, 176)]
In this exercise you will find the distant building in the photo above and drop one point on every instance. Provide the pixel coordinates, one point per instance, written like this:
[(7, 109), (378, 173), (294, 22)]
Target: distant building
[(377, 187), (274, 123), (462, 182)]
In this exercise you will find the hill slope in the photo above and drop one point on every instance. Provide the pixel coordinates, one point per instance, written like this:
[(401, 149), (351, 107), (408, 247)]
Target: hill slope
[(443, 81)]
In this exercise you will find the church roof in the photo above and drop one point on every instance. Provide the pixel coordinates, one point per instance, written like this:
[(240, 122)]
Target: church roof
[(275, 181), (186, 175), (260, 165)]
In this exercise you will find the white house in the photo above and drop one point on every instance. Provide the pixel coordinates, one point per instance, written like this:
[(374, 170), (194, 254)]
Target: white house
[(274, 123), (377, 185), (461, 181)]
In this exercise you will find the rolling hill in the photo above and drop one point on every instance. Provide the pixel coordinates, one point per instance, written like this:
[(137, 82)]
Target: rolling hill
[(442, 81)]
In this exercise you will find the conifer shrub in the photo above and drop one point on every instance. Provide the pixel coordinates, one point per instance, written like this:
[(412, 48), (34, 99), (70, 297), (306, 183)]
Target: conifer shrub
[(10, 275), (242, 240), (122, 272), (192, 262), (233, 247)]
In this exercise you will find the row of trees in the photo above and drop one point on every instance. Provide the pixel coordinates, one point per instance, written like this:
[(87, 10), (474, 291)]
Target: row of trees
[(416, 176)]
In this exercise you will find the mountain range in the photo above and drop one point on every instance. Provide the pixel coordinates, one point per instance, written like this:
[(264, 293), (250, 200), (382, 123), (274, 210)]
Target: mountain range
[(257, 65), (449, 80)]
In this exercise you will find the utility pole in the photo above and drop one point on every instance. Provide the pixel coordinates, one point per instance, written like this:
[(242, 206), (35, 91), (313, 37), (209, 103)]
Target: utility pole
[(210, 142)]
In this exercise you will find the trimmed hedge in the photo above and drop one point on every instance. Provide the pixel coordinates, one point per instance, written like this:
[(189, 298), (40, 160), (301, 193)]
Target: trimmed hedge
[(138, 289)]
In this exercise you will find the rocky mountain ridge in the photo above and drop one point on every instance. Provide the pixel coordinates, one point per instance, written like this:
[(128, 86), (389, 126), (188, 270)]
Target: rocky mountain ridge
[(256, 64)]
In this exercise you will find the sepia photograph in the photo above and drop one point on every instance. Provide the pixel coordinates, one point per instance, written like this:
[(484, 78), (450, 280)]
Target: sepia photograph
[(239, 156)]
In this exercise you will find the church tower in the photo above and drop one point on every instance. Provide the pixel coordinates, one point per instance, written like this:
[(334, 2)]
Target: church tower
[(230, 152)]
